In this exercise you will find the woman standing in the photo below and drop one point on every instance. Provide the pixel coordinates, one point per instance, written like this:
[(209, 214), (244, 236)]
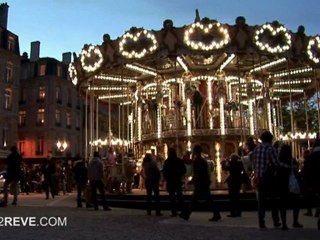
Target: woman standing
[(285, 157)]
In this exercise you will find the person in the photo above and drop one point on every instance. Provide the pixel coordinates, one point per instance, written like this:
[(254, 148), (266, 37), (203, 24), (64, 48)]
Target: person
[(296, 197), (201, 186), (281, 188), (49, 171), (197, 101), (81, 178), (235, 168), (173, 172), (151, 175), (265, 160), (13, 175), (306, 186), (96, 177), (312, 169), (24, 184)]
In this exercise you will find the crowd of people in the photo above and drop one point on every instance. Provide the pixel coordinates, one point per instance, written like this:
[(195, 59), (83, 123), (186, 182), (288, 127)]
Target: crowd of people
[(267, 167)]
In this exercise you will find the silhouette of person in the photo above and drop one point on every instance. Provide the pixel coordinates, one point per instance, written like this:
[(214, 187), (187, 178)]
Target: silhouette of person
[(96, 177), (173, 172), (81, 178), (197, 101), (151, 174), (13, 175), (201, 183), (234, 181)]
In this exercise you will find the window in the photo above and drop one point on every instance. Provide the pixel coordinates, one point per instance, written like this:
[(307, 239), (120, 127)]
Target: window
[(21, 143), (7, 99), (58, 117), (39, 146), (4, 137), (22, 96), (68, 120), (69, 101), (40, 116), (42, 71), (42, 93), (9, 72), (78, 122), (59, 71), (11, 44), (22, 118), (78, 102), (58, 95)]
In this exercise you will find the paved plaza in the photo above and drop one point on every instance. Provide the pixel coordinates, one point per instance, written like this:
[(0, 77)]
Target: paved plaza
[(123, 223)]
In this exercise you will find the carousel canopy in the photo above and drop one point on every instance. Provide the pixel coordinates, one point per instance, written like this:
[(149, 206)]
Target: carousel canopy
[(260, 60)]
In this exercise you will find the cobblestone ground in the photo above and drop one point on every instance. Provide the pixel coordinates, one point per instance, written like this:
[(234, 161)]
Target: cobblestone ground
[(121, 224)]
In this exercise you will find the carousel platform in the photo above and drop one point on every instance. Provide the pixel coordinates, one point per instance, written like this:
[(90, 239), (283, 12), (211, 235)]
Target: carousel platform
[(137, 200)]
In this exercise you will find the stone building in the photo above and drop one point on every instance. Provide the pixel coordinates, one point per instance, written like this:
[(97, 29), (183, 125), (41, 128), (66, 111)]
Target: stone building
[(50, 115), (9, 81)]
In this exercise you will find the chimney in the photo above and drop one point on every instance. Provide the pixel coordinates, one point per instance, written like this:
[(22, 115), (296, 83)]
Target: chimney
[(66, 58), (35, 51), (4, 7)]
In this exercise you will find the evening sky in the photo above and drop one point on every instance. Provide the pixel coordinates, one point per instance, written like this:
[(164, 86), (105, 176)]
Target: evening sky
[(66, 25)]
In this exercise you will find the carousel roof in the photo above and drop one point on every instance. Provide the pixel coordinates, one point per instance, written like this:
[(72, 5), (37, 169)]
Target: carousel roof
[(259, 58)]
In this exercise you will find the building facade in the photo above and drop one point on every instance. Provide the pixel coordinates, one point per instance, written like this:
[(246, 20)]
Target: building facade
[(49, 118), (9, 82)]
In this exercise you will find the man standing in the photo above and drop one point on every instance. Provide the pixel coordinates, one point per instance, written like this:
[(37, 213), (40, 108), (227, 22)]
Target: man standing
[(265, 159), (81, 177), (13, 176), (173, 171), (201, 183), (96, 177)]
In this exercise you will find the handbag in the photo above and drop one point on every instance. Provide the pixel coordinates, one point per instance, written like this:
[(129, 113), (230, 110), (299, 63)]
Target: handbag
[(294, 186)]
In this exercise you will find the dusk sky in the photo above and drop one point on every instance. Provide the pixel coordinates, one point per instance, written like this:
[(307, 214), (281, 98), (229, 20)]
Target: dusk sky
[(66, 25)]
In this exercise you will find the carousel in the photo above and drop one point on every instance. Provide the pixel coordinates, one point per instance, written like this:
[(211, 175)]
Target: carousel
[(207, 82)]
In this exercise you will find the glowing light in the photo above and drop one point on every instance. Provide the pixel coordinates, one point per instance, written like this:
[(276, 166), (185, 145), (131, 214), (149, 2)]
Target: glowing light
[(251, 122), (115, 78), (209, 89), (292, 72), (91, 58), (229, 59), (313, 42), (189, 130), (182, 64), (206, 29), (222, 119), (159, 125), (292, 82), (274, 31), (268, 65), (139, 123), (141, 69), (218, 164), (73, 73), (281, 90), (189, 145), (62, 146), (297, 135), (269, 117), (136, 37)]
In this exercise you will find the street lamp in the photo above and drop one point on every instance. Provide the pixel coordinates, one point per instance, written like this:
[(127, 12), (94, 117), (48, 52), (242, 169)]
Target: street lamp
[(62, 146)]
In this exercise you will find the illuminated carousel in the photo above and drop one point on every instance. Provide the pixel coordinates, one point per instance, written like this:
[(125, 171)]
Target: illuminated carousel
[(207, 82)]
